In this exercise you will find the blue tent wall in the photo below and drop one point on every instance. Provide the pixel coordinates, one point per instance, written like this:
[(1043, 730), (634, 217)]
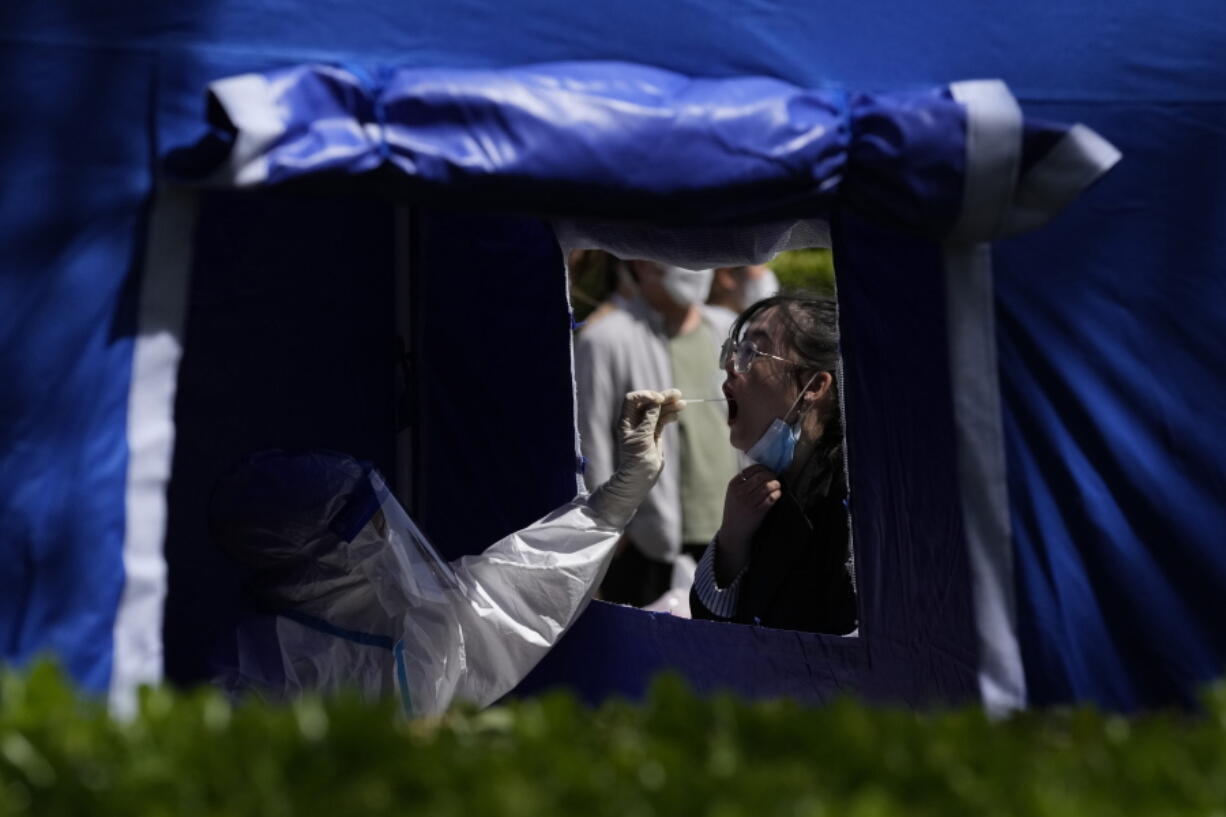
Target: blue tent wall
[(1137, 264), (73, 212), (1081, 52), (1112, 330)]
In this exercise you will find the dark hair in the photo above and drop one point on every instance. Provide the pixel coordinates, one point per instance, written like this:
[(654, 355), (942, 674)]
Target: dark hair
[(811, 331)]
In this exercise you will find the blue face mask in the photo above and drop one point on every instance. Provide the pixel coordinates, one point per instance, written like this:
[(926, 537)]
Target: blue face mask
[(776, 447)]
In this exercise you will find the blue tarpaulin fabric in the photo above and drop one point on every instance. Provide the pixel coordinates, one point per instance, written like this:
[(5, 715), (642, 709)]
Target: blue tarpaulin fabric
[(71, 229), (599, 139)]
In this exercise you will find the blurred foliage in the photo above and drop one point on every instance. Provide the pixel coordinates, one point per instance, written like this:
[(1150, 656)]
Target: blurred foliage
[(195, 754), (593, 278), (812, 270)]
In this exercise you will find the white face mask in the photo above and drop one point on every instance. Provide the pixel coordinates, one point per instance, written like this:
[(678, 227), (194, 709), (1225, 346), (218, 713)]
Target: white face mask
[(687, 286), (755, 289)]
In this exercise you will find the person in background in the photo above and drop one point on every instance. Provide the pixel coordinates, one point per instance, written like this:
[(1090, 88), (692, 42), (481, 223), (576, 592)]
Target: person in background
[(735, 288), (660, 335), (780, 557)]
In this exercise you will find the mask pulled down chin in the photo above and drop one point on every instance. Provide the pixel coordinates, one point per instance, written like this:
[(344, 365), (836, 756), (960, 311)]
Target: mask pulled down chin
[(776, 447)]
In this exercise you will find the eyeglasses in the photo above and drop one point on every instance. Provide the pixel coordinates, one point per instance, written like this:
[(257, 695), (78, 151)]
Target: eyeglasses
[(743, 354)]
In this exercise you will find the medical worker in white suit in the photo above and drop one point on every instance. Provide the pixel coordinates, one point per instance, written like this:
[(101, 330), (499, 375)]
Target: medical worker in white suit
[(358, 598)]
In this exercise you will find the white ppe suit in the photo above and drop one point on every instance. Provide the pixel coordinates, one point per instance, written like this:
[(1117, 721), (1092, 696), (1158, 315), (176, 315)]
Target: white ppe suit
[(361, 600)]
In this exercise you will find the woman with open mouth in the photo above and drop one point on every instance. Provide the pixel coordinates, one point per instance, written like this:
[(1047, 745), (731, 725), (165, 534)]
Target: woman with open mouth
[(780, 558)]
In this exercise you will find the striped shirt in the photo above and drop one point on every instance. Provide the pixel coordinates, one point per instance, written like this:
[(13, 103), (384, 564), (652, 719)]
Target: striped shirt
[(721, 601)]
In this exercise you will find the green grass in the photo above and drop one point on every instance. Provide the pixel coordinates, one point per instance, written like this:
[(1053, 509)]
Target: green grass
[(676, 754)]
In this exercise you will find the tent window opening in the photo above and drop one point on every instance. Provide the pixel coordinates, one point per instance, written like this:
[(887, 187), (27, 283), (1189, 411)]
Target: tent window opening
[(772, 400)]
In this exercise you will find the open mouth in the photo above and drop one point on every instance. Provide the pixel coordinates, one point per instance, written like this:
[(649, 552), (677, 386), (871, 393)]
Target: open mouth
[(732, 407)]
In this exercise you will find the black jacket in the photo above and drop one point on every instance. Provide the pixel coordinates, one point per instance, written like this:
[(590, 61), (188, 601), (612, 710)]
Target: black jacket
[(797, 577)]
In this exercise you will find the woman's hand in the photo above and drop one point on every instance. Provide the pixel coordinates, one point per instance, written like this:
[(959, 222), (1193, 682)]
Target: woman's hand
[(640, 458), (751, 494)]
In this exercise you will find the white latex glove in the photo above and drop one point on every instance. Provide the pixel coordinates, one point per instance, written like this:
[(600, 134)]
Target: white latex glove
[(639, 460)]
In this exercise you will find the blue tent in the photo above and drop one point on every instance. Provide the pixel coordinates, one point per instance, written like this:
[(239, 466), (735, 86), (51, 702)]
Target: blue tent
[(1036, 469)]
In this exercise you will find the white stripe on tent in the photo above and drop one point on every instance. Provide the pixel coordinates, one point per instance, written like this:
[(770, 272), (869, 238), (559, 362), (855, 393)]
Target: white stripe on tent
[(993, 152), (151, 397), (994, 132), (981, 471), (250, 101), (1077, 160)]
